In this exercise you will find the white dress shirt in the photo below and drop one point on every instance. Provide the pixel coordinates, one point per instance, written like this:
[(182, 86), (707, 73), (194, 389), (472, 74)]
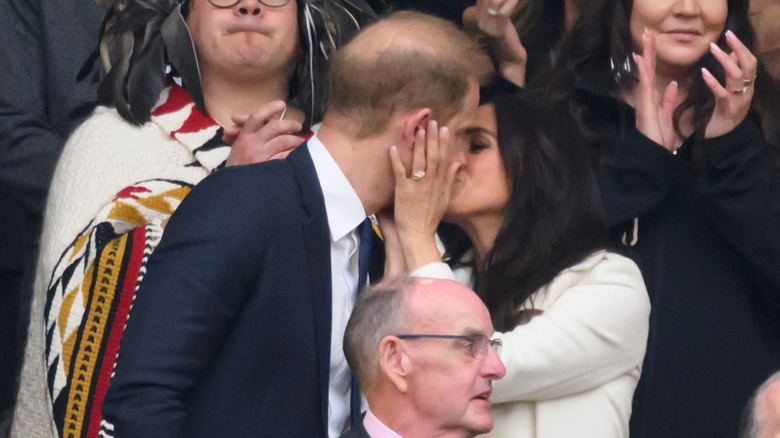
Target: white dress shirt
[(345, 212)]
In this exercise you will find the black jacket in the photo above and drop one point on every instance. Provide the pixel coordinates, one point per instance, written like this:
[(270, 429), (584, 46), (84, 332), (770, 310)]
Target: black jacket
[(707, 239)]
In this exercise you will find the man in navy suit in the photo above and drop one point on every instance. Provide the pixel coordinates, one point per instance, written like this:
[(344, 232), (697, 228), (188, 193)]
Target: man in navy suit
[(427, 365), (237, 327)]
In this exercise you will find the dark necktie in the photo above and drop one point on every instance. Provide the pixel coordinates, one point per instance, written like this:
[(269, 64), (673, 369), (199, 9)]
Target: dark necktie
[(364, 251)]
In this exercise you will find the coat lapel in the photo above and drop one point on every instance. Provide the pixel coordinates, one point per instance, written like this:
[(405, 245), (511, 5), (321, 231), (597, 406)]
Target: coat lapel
[(316, 234)]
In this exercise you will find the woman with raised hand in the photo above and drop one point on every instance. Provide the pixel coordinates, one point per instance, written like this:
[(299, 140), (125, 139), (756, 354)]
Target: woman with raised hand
[(689, 178), (524, 36), (573, 315)]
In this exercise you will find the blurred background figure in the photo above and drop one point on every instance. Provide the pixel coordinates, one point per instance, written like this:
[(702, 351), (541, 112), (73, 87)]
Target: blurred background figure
[(765, 16)]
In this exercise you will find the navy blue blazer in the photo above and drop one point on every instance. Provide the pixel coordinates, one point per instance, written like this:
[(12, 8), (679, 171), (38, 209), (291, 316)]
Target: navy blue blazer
[(230, 331)]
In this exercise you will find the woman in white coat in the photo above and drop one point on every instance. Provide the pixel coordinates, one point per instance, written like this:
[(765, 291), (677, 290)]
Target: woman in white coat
[(573, 315)]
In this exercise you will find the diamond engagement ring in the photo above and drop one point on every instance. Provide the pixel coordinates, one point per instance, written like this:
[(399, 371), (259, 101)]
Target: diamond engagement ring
[(745, 84), (418, 175)]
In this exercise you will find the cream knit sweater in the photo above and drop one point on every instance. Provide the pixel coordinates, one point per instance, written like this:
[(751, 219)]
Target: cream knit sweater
[(103, 156)]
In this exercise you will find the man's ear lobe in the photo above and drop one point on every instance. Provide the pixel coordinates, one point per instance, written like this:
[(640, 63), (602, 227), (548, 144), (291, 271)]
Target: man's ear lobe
[(394, 364)]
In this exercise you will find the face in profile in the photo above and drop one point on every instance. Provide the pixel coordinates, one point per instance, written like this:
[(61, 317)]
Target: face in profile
[(481, 186), (684, 28), (247, 36), (450, 383)]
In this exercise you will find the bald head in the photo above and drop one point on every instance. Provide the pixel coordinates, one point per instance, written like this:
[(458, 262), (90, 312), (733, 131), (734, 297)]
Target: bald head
[(762, 416), (445, 306), (405, 62)]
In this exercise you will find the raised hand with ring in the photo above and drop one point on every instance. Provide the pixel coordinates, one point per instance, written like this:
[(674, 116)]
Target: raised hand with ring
[(733, 98)]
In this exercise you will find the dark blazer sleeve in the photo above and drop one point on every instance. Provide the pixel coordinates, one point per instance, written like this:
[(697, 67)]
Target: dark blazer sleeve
[(742, 193), (197, 280)]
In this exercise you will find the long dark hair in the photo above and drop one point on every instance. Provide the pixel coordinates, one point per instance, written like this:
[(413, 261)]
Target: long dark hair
[(553, 218), (597, 55)]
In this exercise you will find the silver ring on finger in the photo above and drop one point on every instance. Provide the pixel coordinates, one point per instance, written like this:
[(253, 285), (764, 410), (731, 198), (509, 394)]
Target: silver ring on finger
[(492, 12), (420, 174), (741, 90), (748, 82)]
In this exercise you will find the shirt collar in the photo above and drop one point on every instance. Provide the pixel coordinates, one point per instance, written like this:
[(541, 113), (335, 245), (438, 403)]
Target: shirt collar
[(344, 209), (375, 428)]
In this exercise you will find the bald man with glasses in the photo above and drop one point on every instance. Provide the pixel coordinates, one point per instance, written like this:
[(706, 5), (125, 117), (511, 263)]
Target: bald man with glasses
[(427, 364)]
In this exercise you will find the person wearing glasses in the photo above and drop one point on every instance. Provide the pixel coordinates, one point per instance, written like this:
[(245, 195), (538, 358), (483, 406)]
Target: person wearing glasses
[(178, 82), (572, 314), (423, 352)]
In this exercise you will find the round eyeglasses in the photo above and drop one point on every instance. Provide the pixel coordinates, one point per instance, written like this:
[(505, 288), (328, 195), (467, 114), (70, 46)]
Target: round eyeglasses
[(224, 4), (477, 344)]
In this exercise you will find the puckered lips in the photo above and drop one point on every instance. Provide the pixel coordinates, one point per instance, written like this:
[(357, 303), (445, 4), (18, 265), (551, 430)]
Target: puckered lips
[(248, 25)]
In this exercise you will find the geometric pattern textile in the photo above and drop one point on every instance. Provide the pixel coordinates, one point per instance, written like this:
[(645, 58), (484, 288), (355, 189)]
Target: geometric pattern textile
[(91, 290)]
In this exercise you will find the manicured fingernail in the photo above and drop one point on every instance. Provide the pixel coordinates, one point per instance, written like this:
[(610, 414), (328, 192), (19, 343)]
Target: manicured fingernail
[(730, 34), (644, 32), (705, 71), (715, 47), (673, 83), (444, 130)]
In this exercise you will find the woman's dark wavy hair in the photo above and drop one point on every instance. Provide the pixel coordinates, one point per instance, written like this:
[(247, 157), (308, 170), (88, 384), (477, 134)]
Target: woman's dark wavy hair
[(553, 218), (595, 52)]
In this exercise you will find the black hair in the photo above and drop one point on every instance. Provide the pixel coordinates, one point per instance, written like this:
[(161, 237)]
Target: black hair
[(553, 218), (596, 55)]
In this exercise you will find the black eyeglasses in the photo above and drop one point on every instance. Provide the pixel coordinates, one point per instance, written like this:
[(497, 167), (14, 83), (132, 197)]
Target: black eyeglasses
[(224, 4), (477, 346)]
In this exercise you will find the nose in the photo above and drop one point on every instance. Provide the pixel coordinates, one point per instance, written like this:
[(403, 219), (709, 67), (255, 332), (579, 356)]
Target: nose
[(459, 156), (249, 7), (686, 8), (493, 368)]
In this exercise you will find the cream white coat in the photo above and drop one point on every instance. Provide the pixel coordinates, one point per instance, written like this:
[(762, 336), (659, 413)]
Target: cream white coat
[(572, 371)]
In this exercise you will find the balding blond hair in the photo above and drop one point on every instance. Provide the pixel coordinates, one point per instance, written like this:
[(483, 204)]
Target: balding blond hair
[(404, 62)]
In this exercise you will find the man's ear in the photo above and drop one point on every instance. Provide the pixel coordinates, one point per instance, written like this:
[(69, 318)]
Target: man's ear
[(394, 363), (414, 121)]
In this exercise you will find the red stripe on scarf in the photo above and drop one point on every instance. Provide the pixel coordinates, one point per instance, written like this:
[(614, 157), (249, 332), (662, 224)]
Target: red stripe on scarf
[(118, 326)]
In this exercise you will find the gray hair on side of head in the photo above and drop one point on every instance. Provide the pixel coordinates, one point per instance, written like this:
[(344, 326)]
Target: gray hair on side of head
[(751, 420), (379, 311)]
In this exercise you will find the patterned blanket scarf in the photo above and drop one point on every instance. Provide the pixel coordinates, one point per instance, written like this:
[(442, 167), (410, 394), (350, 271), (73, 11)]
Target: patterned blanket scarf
[(94, 282)]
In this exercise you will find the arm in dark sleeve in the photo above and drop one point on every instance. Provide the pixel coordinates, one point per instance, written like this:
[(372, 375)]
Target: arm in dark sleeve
[(29, 146), (44, 44), (634, 177), (195, 286), (742, 192)]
